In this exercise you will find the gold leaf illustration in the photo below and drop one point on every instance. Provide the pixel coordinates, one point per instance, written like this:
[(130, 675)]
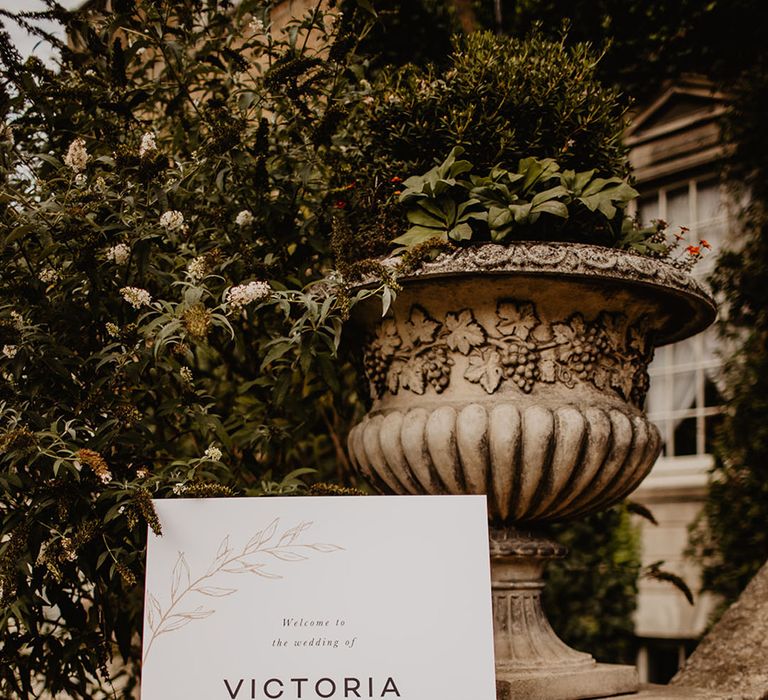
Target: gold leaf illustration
[(153, 611), (226, 561), (180, 574), (261, 537), (175, 622), (287, 556), (289, 536), (198, 614), (214, 591), (319, 547)]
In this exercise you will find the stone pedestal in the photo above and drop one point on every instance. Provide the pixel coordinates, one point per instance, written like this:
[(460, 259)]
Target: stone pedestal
[(531, 661)]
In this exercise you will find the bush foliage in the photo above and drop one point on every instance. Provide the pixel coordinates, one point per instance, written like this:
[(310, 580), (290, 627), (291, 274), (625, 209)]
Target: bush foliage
[(500, 100), (161, 214)]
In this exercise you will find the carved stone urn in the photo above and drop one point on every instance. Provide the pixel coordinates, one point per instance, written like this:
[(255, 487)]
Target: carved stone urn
[(520, 372)]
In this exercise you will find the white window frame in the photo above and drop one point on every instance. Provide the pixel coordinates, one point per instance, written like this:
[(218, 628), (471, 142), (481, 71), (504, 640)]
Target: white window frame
[(664, 419)]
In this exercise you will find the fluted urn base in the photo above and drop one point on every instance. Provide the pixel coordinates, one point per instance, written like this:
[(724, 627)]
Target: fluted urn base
[(531, 661)]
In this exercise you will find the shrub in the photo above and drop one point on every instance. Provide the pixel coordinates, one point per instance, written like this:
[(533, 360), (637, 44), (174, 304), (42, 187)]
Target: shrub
[(505, 103), (160, 218)]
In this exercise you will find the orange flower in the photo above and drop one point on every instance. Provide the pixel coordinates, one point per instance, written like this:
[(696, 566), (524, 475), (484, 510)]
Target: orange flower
[(396, 179), (694, 249), (705, 244)]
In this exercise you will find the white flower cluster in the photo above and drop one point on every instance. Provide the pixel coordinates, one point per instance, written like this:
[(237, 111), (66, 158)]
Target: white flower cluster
[(148, 144), (10, 351), (48, 275), (244, 218), (243, 294), (213, 453), (186, 374), (136, 296), (141, 473), (119, 254), (77, 157), (172, 220), (179, 488), (80, 179), (256, 26), (17, 319), (113, 329), (197, 268)]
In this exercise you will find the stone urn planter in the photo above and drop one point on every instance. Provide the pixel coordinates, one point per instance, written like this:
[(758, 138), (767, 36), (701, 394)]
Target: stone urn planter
[(520, 372)]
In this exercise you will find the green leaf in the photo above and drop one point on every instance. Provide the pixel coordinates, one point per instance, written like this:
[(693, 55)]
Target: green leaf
[(554, 208), (418, 216), (277, 350), (462, 232), (419, 234)]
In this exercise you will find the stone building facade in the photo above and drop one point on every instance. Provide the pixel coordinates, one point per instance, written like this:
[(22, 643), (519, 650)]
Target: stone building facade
[(676, 154)]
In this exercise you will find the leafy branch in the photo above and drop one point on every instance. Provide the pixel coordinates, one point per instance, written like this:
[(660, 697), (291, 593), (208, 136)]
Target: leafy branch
[(447, 202), (285, 547)]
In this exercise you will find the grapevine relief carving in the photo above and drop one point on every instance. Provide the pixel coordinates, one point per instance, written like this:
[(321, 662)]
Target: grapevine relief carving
[(519, 350)]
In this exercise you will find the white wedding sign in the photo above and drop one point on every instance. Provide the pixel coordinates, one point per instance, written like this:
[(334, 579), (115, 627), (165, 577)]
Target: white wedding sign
[(306, 598)]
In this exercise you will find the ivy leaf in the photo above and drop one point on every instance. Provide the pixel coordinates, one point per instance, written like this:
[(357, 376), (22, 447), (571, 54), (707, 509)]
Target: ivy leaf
[(485, 368), (412, 376), (387, 337), (464, 332), (518, 318), (421, 328), (615, 328), (393, 376)]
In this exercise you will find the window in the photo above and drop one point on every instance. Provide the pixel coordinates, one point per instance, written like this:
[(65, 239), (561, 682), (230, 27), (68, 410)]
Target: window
[(683, 400)]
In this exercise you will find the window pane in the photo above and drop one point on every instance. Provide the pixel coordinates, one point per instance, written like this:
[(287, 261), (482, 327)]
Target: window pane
[(685, 437), (708, 203), (678, 210), (648, 209), (712, 424), (712, 396), (664, 428), (685, 352)]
